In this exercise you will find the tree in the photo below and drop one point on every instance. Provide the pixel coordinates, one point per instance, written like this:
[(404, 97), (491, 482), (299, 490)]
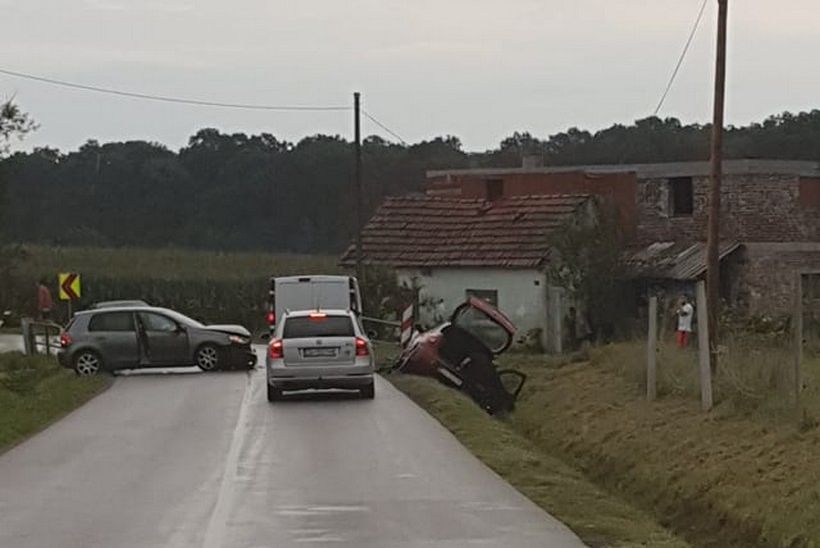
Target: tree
[(586, 260), (13, 123)]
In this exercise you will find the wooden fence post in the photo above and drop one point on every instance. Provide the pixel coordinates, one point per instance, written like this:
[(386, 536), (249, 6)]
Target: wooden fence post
[(652, 351), (706, 399), (798, 337)]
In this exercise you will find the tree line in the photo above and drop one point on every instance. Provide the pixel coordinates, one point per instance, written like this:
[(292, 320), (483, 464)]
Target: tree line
[(235, 191)]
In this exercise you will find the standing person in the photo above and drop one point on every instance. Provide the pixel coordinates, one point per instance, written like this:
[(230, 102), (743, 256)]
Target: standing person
[(44, 301), (685, 313)]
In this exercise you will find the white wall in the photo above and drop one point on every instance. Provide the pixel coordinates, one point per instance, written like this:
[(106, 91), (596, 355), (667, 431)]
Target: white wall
[(522, 294)]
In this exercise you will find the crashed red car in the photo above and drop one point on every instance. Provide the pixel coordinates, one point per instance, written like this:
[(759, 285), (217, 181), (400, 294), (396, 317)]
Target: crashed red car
[(461, 354)]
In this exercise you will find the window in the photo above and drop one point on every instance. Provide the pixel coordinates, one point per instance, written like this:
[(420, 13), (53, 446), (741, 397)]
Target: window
[(489, 295), (112, 321), (157, 323), (322, 326), (809, 195), (681, 196), (495, 189)]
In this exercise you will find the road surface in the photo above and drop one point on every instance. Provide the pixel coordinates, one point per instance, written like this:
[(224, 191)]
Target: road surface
[(203, 460)]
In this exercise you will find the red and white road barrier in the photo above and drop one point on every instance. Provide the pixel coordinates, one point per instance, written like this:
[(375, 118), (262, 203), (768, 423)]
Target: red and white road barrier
[(406, 326)]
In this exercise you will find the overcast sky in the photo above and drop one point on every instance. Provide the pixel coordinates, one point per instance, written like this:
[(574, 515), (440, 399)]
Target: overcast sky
[(478, 69)]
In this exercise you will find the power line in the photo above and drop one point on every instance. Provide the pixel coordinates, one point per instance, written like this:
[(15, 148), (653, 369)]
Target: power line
[(384, 127), (682, 57), (167, 99)]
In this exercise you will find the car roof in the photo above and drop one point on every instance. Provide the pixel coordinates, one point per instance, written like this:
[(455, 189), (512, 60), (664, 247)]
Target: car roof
[(312, 278), (120, 303), (329, 312), (124, 309)]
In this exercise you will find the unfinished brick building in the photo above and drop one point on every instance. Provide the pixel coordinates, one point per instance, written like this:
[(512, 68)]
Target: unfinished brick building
[(770, 219)]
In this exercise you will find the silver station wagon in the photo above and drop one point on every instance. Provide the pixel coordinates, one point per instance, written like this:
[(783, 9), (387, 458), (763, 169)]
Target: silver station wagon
[(319, 349), (108, 339)]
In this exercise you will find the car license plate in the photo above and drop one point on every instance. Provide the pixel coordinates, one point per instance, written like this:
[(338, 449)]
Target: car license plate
[(319, 352)]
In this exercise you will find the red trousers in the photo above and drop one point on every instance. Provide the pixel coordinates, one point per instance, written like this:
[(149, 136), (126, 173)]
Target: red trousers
[(682, 339)]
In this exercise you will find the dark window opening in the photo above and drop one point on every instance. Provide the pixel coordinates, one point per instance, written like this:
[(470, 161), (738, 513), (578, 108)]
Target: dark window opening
[(489, 295), (682, 196), (495, 189)]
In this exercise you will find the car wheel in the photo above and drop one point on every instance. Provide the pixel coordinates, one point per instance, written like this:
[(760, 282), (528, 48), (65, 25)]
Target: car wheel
[(207, 357), (368, 392), (87, 363), (274, 394)]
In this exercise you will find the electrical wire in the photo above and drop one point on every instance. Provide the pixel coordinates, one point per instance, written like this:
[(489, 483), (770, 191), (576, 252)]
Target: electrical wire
[(682, 57), (384, 127), (168, 99)]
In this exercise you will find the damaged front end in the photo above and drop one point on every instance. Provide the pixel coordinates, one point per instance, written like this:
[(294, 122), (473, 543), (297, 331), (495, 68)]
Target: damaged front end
[(461, 354)]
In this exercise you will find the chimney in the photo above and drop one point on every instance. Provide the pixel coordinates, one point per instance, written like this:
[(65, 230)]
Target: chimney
[(532, 161)]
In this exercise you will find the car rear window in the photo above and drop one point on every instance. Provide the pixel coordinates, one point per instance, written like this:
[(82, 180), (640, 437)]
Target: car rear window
[(112, 321), (324, 326)]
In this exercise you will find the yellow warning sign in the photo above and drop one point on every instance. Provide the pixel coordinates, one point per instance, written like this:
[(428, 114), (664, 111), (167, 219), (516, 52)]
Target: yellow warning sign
[(70, 288)]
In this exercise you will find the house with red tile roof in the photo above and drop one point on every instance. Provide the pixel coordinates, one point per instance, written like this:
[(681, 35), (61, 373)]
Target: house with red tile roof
[(498, 250)]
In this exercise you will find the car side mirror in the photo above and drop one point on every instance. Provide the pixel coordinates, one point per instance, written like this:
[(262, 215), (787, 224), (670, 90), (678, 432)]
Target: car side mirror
[(181, 328)]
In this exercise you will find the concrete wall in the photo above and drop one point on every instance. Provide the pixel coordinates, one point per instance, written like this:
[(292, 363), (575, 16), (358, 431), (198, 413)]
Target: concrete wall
[(522, 294)]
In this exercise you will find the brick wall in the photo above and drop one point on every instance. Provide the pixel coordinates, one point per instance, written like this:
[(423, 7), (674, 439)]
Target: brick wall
[(769, 270), (757, 208)]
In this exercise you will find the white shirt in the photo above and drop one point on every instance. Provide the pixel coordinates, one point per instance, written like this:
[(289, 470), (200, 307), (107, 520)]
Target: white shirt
[(685, 314)]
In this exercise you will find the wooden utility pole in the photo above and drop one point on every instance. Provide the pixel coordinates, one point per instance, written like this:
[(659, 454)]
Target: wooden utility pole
[(652, 351), (359, 188), (713, 239)]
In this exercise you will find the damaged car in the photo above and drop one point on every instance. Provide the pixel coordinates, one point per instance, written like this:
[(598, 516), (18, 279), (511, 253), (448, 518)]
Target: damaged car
[(461, 353), (128, 337)]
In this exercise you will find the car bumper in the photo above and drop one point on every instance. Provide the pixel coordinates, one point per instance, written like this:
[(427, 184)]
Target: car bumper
[(299, 378), (240, 356)]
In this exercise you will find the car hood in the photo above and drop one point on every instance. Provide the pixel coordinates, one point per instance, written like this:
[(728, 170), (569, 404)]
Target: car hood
[(229, 329)]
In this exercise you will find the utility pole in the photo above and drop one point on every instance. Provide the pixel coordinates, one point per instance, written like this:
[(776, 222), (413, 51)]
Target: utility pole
[(359, 189), (713, 240)]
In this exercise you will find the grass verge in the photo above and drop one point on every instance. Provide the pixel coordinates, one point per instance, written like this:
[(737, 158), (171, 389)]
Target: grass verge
[(745, 475), (35, 392), (599, 518)]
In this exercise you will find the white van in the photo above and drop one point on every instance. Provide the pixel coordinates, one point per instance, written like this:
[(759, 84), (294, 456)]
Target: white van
[(312, 293)]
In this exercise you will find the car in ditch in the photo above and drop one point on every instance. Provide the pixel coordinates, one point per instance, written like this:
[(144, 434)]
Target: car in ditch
[(461, 353), (130, 337)]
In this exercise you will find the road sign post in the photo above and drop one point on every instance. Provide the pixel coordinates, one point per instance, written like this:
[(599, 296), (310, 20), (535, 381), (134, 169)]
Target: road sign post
[(70, 288)]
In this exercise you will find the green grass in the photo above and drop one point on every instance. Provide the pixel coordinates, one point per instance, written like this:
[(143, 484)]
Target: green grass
[(170, 263), (599, 518), (35, 391), (745, 475)]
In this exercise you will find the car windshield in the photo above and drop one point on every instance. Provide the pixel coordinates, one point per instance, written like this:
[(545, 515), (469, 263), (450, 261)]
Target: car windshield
[(318, 326), (482, 327), (182, 318)]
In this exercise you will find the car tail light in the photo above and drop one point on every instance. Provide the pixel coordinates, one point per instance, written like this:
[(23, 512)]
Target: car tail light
[(276, 349), (65, 340), (317, 316), (361, 347), (271, 318)]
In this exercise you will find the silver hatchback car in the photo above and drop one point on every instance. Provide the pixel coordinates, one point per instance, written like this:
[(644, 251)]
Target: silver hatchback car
[(319, 349), (108, 339)]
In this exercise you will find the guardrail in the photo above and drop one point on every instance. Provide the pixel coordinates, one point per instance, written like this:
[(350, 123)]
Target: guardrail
[(40, 337)]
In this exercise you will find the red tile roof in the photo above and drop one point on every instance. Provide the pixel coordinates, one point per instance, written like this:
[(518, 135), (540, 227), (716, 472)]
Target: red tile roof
[(427, 231)]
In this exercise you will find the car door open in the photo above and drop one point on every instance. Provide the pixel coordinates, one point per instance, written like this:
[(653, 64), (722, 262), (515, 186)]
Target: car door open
[(165, 341)]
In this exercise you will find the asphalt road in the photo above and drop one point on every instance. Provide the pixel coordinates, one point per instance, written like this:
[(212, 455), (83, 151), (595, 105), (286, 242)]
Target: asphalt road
[(203, 460)]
